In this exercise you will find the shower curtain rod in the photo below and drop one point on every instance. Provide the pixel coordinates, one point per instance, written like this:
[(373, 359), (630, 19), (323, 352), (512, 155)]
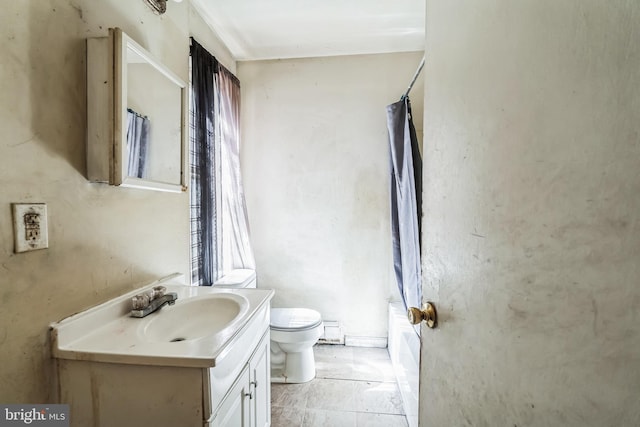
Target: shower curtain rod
[(415, 77)]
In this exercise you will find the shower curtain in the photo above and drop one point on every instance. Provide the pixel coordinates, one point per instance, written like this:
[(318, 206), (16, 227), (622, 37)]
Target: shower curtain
[(406, 201), (219, 222)]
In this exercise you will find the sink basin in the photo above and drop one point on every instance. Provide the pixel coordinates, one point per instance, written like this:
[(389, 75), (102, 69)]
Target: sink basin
[(197, 331), (195, 318)]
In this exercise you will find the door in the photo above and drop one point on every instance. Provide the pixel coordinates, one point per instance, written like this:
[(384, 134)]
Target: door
[(261, 384), (532, 215), (236, 407)]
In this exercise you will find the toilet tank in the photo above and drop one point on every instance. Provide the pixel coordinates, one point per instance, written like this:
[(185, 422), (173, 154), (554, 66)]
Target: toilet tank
[(239, 278)]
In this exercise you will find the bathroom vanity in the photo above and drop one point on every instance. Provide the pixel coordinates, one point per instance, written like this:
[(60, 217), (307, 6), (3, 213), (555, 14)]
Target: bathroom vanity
[(202, 362)]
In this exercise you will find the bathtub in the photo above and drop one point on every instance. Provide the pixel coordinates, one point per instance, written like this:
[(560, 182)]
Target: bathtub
[(404, 349)]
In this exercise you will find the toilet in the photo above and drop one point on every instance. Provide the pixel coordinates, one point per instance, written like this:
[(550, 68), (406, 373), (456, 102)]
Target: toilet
[(294, 331)]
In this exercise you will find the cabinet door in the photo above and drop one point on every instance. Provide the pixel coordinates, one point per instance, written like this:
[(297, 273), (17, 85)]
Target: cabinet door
[(236, 407), (260, 372)]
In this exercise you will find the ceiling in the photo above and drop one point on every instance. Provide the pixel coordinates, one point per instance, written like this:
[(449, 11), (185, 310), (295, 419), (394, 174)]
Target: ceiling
[(275, 29)]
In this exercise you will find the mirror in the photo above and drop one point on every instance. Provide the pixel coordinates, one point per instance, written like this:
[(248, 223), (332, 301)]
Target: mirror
[(145, 138)]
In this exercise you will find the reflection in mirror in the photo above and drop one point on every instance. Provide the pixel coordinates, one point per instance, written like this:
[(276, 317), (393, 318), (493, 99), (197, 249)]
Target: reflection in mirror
[(154, 121), (137, 143)]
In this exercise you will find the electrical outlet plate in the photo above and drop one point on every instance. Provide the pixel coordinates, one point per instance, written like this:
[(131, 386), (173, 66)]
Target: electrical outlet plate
[(30, 226)]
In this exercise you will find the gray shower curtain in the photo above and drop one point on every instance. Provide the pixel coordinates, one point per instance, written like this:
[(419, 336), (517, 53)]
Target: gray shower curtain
[(406, 201)]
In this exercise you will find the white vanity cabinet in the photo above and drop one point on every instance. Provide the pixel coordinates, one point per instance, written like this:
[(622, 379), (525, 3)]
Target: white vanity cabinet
[(248, 402), (111, 377)]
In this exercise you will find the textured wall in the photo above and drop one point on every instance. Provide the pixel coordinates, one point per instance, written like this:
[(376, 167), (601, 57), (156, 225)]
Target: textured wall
[(316, 168), (102, 240), (531, 243)]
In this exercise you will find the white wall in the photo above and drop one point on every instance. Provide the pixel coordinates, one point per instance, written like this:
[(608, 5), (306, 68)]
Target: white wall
[(316, 174), (102, 240), (532, 213)]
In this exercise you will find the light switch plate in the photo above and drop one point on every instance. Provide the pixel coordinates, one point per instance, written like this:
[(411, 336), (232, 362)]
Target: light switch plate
[(30, 226)]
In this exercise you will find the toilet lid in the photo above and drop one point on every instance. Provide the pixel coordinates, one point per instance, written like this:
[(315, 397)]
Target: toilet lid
[(299, 319)]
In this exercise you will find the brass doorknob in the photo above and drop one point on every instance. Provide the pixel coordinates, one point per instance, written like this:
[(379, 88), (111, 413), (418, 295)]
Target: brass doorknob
[(428, 314)]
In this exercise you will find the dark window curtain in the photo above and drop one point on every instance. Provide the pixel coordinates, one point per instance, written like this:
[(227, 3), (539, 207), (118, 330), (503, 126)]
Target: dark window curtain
[(202, 156), (219, 221), (406, 201)]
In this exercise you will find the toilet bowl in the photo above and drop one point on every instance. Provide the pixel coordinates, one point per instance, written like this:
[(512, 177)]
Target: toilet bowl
[(294, 332)]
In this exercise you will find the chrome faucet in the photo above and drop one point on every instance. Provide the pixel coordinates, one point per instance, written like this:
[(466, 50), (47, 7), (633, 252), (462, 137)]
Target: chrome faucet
[(152, 300)]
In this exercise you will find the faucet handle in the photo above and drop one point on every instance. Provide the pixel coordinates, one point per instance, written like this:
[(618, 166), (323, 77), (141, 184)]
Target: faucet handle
[(159, 291), (144, 299), (155, 292), (140, 301)]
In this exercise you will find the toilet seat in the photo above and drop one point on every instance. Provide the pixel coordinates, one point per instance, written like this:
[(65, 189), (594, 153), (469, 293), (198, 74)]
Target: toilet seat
[(294, 319)]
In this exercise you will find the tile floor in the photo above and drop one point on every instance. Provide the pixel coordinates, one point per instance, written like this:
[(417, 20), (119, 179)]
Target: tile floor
[(354, 387)]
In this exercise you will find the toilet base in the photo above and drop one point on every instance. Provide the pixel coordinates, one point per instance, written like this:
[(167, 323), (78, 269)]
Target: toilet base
[(298, 367)]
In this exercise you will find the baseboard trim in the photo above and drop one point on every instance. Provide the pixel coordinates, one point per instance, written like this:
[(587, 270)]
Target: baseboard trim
[(355, 341)]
